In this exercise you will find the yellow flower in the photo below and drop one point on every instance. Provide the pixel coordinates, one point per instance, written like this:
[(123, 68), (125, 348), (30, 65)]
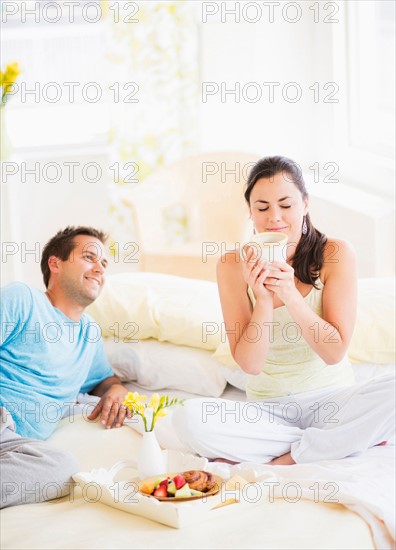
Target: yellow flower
[(154, 401), (135, 398), (8, 78), (11, 73), (136, 404)]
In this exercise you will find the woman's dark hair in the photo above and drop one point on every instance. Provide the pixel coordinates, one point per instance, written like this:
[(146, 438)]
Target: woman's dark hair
[(308, 256), (62, 244)]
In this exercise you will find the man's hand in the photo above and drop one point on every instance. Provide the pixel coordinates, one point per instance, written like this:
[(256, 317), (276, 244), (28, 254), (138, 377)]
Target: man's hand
[(110, 407)]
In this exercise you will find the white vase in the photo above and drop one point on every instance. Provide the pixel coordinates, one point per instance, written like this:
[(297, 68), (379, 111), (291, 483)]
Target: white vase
[(151, 460)]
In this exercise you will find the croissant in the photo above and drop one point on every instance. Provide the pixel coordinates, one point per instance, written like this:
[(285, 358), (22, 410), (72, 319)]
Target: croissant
[(199, 480)]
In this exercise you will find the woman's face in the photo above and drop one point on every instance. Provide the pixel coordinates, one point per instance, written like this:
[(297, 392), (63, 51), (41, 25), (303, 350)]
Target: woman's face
[(276, 204)]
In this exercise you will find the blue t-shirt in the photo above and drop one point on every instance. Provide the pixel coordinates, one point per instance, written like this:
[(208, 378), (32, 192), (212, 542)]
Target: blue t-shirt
[(46, 359)]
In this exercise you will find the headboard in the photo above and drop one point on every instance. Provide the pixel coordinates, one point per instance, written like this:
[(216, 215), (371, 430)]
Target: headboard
[(190, 212)]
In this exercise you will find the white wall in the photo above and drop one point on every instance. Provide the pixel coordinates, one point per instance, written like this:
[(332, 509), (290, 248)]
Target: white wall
[(366, 221), (322, 47), (303, 52), (353, 195), (259, 53), (32, 212)]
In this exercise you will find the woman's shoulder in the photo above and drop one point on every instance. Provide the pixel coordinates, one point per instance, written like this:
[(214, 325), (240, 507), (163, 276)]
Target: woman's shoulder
[(338, 255), (229, 266), (336, 247), (229, 260)]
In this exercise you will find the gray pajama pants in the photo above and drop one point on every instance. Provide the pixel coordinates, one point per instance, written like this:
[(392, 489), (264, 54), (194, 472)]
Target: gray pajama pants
[(31, 470), (327, 424)]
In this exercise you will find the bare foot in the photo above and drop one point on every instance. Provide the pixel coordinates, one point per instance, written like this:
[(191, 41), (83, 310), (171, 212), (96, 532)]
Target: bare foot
[(283, 460), (224, 460)]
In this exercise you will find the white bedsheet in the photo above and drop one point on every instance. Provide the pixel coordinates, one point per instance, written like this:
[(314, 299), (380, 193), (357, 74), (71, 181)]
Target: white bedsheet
[(364, 486), (78, 523)]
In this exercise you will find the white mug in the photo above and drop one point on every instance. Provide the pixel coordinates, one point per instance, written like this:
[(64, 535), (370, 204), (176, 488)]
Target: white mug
[(270, 246)]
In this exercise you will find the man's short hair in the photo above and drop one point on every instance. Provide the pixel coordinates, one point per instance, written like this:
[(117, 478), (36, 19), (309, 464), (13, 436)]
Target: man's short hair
[(63, 243)]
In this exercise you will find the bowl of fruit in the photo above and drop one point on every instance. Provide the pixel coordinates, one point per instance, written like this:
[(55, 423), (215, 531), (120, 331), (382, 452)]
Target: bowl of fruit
[(177, 486)]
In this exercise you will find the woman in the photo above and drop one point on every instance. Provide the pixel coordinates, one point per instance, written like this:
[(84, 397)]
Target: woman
[(312, 294), (289, 325)]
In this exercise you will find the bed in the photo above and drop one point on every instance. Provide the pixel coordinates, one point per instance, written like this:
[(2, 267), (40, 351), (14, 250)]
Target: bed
[(164, 333)]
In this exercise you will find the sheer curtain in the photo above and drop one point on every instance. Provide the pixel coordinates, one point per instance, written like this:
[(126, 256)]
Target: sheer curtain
[(152, 59)]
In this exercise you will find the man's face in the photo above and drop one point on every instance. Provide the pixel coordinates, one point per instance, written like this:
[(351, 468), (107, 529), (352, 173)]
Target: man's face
[(82, 276)]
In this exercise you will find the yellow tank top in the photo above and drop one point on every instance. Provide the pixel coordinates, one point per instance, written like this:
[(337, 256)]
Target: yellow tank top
[(292, 366)]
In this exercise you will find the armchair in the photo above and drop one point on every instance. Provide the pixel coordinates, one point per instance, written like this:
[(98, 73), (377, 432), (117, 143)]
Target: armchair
[(190, 212)]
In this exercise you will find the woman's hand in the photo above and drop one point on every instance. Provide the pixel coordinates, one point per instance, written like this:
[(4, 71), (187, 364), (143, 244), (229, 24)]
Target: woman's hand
[(280, 281), (255, 275)]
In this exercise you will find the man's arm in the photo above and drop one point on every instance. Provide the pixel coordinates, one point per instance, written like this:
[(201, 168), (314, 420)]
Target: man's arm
[(110, 408), (105, 385)]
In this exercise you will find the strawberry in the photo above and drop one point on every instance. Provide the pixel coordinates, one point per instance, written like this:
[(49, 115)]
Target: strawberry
[(179, 481), (161, 491), (164, 482)]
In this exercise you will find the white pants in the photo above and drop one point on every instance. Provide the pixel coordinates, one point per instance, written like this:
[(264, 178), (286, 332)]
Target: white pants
[(328, 424)]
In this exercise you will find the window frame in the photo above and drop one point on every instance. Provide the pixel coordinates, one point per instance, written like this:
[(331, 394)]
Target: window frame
[(362, 165)]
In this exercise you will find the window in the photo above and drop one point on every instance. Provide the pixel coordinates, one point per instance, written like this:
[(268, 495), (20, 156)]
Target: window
[(362, 141), (371, 34), (61, 98)]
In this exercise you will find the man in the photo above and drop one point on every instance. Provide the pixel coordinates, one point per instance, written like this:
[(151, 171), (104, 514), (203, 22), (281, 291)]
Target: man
[(50, 350)]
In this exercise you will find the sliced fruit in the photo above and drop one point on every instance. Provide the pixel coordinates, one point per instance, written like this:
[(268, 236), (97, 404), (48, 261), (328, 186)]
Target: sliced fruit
[(183, 492), (158, 481), (179, 481), (161, 492), (147, 488), (172, 488), (196, 493), (164, 482)]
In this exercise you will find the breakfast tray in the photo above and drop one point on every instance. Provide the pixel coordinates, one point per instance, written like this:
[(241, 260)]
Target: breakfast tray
[(100, 485)]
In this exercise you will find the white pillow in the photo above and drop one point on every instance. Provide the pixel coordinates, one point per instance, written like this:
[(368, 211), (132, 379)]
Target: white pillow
[(373, 339), (235, 376), (157, 365), (124, 309), (188, 312), (155, 305)]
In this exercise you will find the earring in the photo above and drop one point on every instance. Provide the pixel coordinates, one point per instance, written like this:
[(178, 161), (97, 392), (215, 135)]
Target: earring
[(304, 227)]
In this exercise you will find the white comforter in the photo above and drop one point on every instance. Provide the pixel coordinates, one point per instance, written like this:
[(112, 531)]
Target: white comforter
[(364, 483), (66, 524)]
